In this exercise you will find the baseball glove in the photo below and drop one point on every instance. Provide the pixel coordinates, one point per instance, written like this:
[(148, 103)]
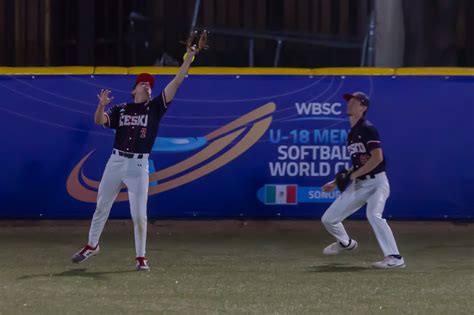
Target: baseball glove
[(343, 178), (196, 42)]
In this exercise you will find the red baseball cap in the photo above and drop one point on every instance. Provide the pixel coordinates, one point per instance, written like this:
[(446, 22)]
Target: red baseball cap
[(145, 77)]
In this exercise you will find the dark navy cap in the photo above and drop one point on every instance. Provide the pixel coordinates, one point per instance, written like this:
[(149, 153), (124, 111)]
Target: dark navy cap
[(362, 97)]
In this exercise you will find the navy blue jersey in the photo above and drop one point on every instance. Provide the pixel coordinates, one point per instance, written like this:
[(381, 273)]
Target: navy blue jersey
[(362, 139), (136, 124)]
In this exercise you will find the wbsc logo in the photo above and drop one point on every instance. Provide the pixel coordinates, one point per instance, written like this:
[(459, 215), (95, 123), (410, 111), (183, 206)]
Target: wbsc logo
[(318, 109)]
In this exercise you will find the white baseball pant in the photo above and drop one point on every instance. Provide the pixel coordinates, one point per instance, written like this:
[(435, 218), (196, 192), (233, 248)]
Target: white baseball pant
[(373, 192), (132, 172)]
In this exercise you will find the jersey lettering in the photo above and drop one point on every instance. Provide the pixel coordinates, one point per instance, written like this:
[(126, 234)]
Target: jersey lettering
[(356, 148), (127, 120)]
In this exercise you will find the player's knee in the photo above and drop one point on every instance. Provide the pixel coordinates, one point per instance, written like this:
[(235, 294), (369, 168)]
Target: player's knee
[(327, 220), (103, 204), (140, 219), (374, 217), (100, 209)]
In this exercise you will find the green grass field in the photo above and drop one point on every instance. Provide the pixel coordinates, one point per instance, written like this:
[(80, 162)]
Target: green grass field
[(212, 267)]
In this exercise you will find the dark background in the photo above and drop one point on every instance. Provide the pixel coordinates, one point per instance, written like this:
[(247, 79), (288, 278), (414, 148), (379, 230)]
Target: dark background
[(88, 32)]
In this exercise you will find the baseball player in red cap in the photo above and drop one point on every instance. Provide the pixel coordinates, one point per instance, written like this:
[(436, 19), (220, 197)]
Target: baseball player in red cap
[(136, 125)]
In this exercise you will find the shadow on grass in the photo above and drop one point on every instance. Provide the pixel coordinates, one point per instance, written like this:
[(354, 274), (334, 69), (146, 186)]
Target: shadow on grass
[(337, 267), (82, 272)]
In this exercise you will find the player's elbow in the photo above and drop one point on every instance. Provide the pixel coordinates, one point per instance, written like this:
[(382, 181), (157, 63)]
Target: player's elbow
[(99, 121), (178, 80), (378, 159), (377, 156), (170, 90)]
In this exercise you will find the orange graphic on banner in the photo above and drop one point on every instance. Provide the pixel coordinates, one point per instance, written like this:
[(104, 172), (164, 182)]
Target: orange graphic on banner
[(250, 128)]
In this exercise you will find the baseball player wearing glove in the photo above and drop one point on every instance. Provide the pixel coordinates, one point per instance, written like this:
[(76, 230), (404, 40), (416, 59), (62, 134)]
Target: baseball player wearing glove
[(136, 125), (364, 184), (343, 179)]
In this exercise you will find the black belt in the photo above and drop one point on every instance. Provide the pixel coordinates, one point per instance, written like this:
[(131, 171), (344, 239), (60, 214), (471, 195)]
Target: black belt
[(365, 177), (128, 155), (369, 176)]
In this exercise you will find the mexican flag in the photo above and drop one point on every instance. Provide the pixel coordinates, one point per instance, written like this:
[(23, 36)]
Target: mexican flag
[(280, 194)]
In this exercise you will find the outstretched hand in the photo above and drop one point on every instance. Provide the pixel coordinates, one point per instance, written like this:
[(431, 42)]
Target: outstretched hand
[(193, 46), (104, 98)]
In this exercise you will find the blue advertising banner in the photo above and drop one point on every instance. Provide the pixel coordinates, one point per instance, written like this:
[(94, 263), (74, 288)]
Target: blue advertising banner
[(238, 146)]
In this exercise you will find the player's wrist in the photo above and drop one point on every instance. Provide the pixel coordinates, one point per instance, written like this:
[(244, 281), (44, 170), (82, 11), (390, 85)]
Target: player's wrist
[(189, 56)]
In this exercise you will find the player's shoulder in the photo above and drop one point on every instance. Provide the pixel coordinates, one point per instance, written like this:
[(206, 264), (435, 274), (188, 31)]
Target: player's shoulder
[(121, 105), (369, 126), (158, 98), (117, 107)]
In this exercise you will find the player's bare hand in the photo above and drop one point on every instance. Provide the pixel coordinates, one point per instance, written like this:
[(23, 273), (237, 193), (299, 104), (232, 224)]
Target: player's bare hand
[(328, 187), (104, 97)]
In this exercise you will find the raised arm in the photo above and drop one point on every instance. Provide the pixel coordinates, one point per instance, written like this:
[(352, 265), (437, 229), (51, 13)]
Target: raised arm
[(104, 99), (191, 51)]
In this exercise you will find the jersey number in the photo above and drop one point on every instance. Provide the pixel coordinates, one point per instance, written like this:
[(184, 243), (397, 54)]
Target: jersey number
[(143, 133)]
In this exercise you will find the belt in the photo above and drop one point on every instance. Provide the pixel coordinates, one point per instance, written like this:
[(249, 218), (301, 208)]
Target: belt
[(369, 176), (128, 155)]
